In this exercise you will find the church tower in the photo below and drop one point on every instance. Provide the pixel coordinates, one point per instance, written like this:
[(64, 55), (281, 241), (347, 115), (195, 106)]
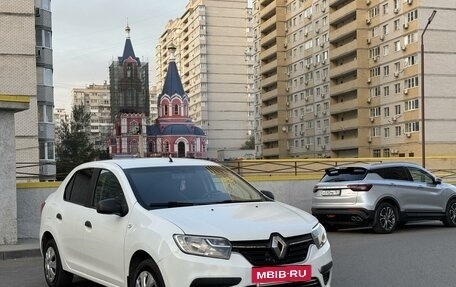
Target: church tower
[(174, 133), (129, 82)]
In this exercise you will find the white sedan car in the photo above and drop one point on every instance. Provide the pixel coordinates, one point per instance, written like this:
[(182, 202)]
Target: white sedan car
[(177, 222)]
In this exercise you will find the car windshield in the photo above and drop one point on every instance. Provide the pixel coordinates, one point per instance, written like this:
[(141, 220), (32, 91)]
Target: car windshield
[(344, 174), (178, 186)]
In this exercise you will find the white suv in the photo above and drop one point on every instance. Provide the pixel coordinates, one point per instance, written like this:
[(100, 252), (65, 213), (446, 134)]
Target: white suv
[(176, 222)]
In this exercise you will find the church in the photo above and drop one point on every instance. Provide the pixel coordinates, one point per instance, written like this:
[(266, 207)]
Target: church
[(172, 134)]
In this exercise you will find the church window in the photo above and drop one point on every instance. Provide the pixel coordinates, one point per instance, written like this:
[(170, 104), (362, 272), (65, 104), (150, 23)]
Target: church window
[(176, 109)]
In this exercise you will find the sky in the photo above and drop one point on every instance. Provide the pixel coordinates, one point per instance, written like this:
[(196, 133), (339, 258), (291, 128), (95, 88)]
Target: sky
[(88, 35)]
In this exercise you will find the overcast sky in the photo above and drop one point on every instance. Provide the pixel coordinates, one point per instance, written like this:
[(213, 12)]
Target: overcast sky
[(89, 34)]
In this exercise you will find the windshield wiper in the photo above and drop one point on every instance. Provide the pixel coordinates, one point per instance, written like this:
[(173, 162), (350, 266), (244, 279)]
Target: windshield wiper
[(171, 204)]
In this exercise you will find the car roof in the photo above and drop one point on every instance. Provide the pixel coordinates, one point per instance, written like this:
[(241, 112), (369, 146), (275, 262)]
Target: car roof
[(370, 166), (127, 163)]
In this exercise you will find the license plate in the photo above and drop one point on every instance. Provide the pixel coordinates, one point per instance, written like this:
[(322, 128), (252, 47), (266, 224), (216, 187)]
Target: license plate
[(277, 274), (330, 192)]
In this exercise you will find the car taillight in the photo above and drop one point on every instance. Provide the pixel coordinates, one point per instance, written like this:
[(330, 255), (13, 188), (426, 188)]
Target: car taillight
[(42, 206), (360, 187)]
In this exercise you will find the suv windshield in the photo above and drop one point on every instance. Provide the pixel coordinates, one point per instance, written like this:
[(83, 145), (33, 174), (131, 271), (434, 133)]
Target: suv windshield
[(344, 174), (177, 186)]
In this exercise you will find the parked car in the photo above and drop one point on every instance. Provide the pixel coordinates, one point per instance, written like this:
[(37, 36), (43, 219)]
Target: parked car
[(382, 196), (176, 222)]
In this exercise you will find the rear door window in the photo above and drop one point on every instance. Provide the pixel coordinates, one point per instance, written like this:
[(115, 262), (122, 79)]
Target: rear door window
[(394, 173), (344, 174), (79, 187)]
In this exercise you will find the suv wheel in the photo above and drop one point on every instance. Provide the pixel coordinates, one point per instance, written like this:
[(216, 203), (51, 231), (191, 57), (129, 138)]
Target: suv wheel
[(450, 214), (386, 218), (53, 272), (147, 274)]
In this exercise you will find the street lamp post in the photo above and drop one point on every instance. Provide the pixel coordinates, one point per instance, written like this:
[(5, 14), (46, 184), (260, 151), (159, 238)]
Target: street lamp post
[(423, 135)]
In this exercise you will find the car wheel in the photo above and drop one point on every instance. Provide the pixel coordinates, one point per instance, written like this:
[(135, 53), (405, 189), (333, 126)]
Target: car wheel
[(147, 274), (386, 218), (53, 272), (450, 214)]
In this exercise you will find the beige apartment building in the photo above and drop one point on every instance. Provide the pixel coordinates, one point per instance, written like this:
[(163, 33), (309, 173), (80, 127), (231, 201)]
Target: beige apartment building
[(96, 101), (346, 80), (214, 45)]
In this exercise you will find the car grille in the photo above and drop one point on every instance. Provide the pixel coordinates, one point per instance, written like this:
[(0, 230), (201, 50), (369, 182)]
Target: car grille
[(260, 253), (312, 283)]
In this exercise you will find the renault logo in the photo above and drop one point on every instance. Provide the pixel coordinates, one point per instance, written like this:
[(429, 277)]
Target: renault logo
[(279, 246)]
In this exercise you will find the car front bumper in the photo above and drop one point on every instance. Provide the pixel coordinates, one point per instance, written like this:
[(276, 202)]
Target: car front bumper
[(195, 271)]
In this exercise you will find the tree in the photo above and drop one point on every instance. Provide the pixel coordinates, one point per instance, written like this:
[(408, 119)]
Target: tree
[(73, 145), (250, 144)]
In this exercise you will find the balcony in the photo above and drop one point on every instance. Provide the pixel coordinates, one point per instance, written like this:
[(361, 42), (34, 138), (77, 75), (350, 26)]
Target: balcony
[(345, 88), (346, 68), (267, 152), (269, 23), (345, 12), (268, 39), (268, 9), (269, 53), (269, 95), (269, 80), (271, 66), (344, 50), (266, 110), (270, 137), (350, 143), (344, 31), (269, 123), (344, 125)]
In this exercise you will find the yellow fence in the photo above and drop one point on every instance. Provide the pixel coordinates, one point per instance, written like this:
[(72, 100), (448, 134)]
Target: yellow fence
[(283, 169)]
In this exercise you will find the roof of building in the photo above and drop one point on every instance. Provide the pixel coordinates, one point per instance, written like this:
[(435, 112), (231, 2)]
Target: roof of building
[(173, 84), (128, 52), (174, 129)]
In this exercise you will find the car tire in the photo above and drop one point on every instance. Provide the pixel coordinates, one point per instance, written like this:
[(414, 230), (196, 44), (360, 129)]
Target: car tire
[(450, 214), (146, 274), (53, 272), (386, 218)]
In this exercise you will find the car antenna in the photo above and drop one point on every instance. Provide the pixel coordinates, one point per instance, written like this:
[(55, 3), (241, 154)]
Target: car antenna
[(170, 158)]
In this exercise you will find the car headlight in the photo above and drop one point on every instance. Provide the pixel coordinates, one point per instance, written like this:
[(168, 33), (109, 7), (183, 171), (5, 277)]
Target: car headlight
[(216, 247), (319, 235)]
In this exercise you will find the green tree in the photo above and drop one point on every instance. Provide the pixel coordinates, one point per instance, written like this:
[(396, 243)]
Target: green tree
[(250, 144), (73, 145)]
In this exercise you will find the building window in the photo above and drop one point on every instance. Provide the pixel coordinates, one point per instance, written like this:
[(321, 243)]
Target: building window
[(387, 132), (386, 152), (43, 38), (412, 105), (43, 4), (45, 114), (46, 150), (376, 153), (44, 76), (412, 127), (176, 109), (398, 130)]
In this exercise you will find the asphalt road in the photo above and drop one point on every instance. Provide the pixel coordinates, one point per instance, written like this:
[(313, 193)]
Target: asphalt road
[(417, 255)]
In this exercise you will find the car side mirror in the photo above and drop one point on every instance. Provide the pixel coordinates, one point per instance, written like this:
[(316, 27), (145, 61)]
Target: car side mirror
[(437, 180), (111, 206), (268, 194)]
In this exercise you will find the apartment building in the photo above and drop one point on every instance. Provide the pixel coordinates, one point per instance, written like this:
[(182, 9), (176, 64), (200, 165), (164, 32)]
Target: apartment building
[(350, 72), (45, 89), (213, 57), (96, 101)]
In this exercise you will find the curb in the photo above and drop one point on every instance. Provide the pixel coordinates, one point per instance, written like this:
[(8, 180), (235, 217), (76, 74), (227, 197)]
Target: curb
[(16, 254)]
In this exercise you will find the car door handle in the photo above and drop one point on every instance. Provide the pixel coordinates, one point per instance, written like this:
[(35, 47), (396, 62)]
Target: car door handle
[(88, 224), (58, 216)]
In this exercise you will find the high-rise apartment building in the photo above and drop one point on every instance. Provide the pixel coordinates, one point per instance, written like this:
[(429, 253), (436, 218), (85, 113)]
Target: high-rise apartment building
[(96, 101), (45, 89), (212, 41), (19, 137), (342, 78)]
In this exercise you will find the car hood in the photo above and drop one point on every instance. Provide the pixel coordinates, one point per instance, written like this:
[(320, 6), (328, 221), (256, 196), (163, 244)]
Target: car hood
[(240, 221)]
